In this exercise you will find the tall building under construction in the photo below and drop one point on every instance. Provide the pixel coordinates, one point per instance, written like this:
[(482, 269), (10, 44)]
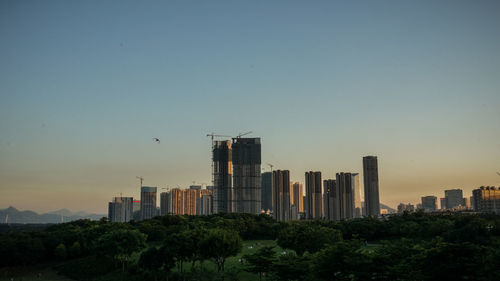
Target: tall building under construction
[(222, 170), (246, 157)]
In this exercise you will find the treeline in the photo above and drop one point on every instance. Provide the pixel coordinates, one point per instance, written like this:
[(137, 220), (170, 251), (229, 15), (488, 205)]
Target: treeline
[(415, 246)]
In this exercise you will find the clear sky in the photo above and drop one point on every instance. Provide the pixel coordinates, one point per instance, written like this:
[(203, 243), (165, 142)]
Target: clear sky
[(85, 85)]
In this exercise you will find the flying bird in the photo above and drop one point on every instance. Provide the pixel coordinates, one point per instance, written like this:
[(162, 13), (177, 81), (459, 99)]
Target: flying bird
[(156, 140), (498, 173)]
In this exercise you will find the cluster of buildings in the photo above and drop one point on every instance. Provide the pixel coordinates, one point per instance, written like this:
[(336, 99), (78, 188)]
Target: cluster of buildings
[(485, 199), (240, 187)]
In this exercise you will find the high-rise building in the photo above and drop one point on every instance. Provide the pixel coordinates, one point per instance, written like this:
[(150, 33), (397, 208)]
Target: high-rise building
[(164, 203), (176, 202), (246, 158), (190, 197), (206, 204), (120, 209), (330, 203), (405, 207), (442, 202), (281, 195), (222, 165), (358, 210), (454, 198), (267, 191), (136, 215), (203, 209), (429, 203), (298, 197), (486, 199), (346, 188), (313, 203), (148, 202), (370, 177)]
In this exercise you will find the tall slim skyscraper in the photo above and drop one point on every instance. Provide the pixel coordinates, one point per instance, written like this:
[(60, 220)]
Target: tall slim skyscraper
[(222, 164), (267, 191), (164, 203), (346, 189), (454, 198), (120, 209), (370, 176), (298, 197), (314, 198), (357, 195), (148, 202), (246, 175), (281, 195), (331, 203)]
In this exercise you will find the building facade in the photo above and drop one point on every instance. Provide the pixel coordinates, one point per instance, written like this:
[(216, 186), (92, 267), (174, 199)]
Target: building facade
[(314, 199), (346, 194), (486, 199), (371, 185), (298, 197), (330, 202), (164, 203), (267, 191), (246, 157), (148, 202), (454, 198), (281, 195), (121, 209), (222, 174), (429, 203)]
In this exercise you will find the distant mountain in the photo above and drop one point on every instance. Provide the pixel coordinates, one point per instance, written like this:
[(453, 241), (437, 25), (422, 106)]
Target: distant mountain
[(13, 215), (383, 206), (391, 210)]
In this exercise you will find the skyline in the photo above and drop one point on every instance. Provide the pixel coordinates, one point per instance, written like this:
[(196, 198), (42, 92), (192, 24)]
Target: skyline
[(86, 86)]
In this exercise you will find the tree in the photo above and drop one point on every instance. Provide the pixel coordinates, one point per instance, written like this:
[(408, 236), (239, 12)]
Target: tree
[(120, 244), (342, 261), (220, 244), (261, 261), (155, 260), (302, 237), (291, 266), (74, 250), (60, 252)]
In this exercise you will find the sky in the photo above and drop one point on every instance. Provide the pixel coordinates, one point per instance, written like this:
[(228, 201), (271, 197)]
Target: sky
[(86, 85)]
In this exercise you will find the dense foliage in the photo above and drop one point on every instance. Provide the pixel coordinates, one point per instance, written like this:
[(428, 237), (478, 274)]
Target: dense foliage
[(416, 246)]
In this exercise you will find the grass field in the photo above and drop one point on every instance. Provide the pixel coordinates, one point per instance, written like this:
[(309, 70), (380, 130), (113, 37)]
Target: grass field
[(233, 266), (234, 269)]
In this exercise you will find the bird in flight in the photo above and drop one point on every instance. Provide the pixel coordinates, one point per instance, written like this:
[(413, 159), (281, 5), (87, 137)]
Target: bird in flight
[(498, 173), (156, 140)]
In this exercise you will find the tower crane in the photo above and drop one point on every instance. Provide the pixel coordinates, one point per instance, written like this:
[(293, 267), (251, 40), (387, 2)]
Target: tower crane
[(270, 166), (243, 134), (140, 178)]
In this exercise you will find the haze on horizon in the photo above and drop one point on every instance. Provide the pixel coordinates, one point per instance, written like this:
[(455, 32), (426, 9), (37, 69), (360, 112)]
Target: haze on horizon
[(85, 86)]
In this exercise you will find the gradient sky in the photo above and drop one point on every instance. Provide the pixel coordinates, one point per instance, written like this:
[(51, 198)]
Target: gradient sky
[(85, 85)]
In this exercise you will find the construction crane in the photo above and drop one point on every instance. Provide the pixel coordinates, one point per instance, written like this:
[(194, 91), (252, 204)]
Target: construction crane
[(140, 178), (216, 136), (270, 166), (243, 134), (212, 135)]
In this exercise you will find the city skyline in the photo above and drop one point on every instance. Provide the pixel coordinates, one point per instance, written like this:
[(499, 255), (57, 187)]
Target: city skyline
[(84, 88)]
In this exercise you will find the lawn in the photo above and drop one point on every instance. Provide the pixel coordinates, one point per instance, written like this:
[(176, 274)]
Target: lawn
[(233, 266)]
